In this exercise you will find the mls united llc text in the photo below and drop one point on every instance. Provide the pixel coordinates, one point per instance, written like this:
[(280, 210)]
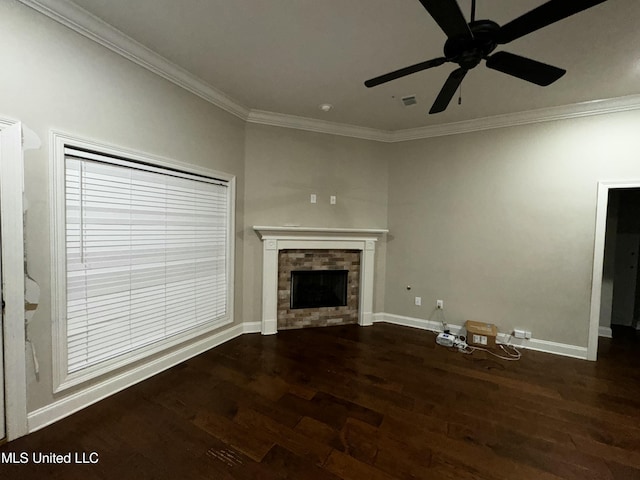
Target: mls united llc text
[(40, 457)]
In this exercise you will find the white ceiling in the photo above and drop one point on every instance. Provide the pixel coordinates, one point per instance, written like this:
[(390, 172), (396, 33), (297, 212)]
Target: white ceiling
[(289, 56)]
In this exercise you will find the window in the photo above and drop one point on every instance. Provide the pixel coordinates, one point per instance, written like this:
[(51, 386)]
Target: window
[(146, 258)]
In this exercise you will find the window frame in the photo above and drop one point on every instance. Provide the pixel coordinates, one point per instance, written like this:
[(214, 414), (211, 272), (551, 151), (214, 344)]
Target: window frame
[(62, 380)]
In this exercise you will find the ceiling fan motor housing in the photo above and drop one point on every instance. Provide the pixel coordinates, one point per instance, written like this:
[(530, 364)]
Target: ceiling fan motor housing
[(468, 52)]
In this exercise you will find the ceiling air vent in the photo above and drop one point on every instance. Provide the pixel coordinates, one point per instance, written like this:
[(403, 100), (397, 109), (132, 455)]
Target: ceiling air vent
[(409, 100)]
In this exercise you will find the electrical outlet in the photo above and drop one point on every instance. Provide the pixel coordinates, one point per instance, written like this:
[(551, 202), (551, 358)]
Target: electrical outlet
[(332, 199), (313, 198), (519, 333), (440, 304), (418, 301)]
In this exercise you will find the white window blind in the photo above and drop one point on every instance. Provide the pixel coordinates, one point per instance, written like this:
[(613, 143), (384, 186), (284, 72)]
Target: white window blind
[(146, 255)]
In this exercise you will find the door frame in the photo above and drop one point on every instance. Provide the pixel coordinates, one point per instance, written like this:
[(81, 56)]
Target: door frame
[(12, 218), (602, 205)]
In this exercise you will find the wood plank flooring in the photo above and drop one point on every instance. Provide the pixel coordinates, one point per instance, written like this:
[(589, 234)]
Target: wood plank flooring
[(382, 402)]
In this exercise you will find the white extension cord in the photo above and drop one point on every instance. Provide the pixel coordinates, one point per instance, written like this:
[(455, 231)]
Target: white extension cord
[(449, 340)]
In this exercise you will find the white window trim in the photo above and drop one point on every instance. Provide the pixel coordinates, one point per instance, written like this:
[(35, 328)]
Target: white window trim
[(61, 379)]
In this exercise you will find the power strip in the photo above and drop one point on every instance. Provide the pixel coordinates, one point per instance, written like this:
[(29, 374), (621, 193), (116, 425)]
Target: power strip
[(448, 340)]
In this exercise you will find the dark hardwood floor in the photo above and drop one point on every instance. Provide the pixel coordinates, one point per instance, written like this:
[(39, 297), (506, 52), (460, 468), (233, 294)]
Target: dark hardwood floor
[(382, 402)]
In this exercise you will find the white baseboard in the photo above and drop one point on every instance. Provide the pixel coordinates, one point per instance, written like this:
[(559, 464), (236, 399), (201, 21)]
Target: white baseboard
[(564, 349), (546, 346), (251, 327), (70, 404), (605, 332), (412, 322)]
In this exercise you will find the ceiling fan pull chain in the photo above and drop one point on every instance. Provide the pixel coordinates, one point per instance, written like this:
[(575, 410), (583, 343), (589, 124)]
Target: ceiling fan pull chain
[(460, 95)]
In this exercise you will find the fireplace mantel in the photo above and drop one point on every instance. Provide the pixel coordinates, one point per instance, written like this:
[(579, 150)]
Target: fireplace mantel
[(298, 231), (276, 238)]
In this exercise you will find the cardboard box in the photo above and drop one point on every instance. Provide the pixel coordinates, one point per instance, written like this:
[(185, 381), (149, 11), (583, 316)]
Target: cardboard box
[(480, 334)]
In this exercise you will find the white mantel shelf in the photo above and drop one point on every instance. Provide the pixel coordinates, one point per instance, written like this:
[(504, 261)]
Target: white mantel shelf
[(279, 231), (276, 238)]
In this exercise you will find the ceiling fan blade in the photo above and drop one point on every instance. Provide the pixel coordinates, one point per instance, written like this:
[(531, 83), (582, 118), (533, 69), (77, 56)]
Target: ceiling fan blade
[(403, 72), (448, 90), (540, 17), (449, 17), (525, 68)]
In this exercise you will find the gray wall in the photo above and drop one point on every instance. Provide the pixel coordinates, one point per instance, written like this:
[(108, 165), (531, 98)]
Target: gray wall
[(500, 224), (284, 166), (55, 79)]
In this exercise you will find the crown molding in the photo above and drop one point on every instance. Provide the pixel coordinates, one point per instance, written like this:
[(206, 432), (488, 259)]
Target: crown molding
[(564, 112), (86, 24), (320, 126), (90, 26)]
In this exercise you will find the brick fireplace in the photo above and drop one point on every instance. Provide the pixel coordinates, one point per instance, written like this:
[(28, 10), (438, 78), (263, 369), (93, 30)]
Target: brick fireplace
[(317, 260), (316, 248)]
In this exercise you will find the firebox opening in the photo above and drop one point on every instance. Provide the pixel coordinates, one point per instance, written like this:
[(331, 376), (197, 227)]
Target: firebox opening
[(318, 288)]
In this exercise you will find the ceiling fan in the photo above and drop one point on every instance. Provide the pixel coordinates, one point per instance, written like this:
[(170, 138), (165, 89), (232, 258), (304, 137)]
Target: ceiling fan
[(469, 43)]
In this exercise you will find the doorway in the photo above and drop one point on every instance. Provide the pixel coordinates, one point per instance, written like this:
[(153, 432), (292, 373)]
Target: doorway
[(615, 304), (621, 309)]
